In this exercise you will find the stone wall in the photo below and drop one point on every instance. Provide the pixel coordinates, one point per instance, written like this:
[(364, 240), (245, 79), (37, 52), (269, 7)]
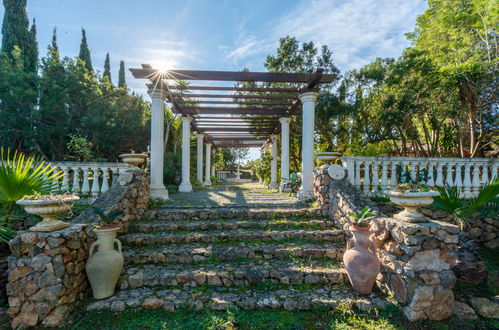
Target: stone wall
[(416, 258), (46, 275), (47, 270)]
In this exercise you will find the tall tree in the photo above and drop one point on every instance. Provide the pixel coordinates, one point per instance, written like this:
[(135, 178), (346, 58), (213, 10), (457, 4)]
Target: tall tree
[(107, 68), (85, 52), (15, 29), (32, 51), (121, 75)]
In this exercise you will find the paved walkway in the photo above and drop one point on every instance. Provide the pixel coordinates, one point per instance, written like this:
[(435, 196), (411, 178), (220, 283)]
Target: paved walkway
[(235, 195)]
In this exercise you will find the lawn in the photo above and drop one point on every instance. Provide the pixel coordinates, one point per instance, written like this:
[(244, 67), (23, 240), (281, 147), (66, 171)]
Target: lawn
[(343, 317)]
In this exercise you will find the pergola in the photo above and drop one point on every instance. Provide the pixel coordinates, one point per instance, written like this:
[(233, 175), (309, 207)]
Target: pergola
[(247, 115)]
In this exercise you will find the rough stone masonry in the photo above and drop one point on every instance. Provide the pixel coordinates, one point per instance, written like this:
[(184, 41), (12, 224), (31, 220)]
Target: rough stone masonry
[(47, 270), (416, 258)]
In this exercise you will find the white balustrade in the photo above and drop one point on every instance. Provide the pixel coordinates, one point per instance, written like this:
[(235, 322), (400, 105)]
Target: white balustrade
[(468, 174), (92, 178), (222, 175)]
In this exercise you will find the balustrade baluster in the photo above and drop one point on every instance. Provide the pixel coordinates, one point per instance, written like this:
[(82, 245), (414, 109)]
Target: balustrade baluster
[(358, 163), (350, 170), (95, 181), (384, 176), (65, 179), (375, 179), (431, 174), (105, 179), (393, 176), (448, 178), (458, 182), (475, 182), (485, 174), (85, 188), (467, 180), (367, 179)]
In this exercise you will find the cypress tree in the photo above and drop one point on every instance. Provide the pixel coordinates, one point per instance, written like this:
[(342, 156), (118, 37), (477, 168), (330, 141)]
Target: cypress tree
[(32, 51), (107, 68), (53, 45), (15, 28), (121, 78), (85, 52)]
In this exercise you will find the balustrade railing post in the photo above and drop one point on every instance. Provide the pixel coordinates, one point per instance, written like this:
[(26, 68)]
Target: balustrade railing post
[(350, 164), (485, 174), (367, 179), (95, 182), (393, 175), (65, 179), (384, 175), (105, 179), (85, 188), (375, 181), (448, 177), (358, 163), (467, 180)]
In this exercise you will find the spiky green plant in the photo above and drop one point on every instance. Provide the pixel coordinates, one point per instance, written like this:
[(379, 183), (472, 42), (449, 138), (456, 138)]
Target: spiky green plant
[(106, 218), (22, 175), (363, 215), (461, 208)]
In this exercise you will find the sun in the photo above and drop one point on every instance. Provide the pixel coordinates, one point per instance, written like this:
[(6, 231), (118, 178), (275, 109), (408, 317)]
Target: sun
[(162, 66)]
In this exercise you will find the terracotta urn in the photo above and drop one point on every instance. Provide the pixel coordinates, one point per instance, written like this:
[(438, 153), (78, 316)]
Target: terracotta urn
[(411, 201), (104, 266), (134, 160), (49, 209), (361, 262)]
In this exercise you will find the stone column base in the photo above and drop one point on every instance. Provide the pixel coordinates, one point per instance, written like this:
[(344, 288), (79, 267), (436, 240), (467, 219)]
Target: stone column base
[(304, 195), (273, 185), (160, 193), (284, 187), (207, 182), (185, 187)]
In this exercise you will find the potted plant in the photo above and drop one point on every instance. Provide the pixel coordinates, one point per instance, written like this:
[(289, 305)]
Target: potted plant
[(105, 266), (361, 263), (49, 207), (359, 220), (412, 196), (133, 159)]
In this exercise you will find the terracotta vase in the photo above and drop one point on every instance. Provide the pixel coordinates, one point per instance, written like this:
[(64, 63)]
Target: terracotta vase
[(361, 262), (104, 266)]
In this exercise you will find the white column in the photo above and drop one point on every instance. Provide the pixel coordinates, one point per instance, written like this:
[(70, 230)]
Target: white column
[(185, 185), (284, 152), (157, 187), (307, 149), (200, 138), (273, 164), (208, 167)]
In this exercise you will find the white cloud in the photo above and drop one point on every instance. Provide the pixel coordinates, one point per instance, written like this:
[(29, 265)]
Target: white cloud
[(357, 31)]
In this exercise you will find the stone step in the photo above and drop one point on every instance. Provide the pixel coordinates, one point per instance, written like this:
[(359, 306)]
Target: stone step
[(200, 253), (217, 298), (165, 225), (290, 272), (232, 236), (229, 213)]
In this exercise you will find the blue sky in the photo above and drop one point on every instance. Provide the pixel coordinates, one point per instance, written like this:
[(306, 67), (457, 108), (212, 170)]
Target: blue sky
[(222, 34)]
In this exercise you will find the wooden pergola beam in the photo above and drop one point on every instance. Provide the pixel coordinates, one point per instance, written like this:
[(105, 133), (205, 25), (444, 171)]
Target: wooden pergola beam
[(150, 73), (220, 111), (237, 129), (234, 89), (242, 96), (237, 103)]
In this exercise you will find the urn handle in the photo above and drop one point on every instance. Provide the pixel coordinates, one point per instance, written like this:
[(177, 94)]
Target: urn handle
[(117, 241), (92, 248), (349, 243)]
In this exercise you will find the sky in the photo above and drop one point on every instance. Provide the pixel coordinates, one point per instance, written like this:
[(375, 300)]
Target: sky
[(223, 35)]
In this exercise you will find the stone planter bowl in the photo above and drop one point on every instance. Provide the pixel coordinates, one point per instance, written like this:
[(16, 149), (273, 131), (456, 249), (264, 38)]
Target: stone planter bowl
[(328, 157), (48, 210), (411, 201), (134, 160)]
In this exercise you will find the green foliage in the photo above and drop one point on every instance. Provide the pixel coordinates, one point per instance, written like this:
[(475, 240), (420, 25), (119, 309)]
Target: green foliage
[(214, 180), (106, 218), (197, 185), (364, 215), (21, 175), (80, 148), (121, 75), (172, 168), (460, 208), (85, 52), (107, 68)]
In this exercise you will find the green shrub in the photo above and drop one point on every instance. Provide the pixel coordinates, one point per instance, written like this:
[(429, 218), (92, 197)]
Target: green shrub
[(171, 188), (21, 176), (172, 168)]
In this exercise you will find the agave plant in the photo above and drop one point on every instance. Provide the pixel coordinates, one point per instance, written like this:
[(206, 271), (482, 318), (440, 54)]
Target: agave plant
[(460, 208), (364, 215), (20, 176)]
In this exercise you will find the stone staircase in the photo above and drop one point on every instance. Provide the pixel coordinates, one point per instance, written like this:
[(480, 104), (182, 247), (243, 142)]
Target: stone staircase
[(217, 257)]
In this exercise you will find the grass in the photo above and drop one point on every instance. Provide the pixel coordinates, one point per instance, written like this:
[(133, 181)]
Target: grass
[(343, 317)]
